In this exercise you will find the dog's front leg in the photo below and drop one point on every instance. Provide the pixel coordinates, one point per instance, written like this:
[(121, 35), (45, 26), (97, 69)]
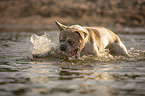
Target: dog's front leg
[(95, 50)]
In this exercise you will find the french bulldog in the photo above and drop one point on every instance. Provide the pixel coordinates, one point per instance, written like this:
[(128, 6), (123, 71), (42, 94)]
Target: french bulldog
[(77, 41)]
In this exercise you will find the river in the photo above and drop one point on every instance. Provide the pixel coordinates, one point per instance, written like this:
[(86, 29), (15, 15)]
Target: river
[(23, 75)]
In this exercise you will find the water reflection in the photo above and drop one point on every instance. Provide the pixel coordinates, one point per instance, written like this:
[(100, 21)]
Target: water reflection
[(88, 76), (82, 80)]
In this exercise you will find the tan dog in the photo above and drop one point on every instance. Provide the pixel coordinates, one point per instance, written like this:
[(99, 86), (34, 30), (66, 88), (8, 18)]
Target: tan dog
[(76, 40)]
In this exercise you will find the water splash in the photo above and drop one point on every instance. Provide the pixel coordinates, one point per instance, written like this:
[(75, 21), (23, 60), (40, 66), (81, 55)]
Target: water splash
[(42, 45)]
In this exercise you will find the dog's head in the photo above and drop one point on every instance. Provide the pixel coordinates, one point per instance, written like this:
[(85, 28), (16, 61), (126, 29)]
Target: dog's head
[(71, 38)]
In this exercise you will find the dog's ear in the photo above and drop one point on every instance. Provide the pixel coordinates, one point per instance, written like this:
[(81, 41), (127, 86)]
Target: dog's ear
[(82, 34), (60, 26)]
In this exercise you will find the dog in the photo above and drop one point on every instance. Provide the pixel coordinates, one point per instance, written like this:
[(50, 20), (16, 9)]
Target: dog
[(76, 41)]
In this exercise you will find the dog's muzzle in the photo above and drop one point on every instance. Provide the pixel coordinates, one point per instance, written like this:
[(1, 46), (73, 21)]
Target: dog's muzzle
[(63, 47)]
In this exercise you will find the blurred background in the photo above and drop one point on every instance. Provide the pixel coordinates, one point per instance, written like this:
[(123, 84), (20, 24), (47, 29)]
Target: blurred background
[(23, 75), (108, 13)]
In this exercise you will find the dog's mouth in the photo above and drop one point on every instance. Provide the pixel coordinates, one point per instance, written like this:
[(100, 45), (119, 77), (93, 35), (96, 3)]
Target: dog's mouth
[(72, 53)]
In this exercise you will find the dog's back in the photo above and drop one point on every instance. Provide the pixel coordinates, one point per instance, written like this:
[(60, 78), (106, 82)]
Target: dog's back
[(105, 38)]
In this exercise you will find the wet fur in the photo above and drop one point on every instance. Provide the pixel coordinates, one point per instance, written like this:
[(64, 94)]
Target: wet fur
[(101, 38), (94, 40)]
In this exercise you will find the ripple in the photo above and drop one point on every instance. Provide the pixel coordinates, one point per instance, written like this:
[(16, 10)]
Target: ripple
[(21, 74)]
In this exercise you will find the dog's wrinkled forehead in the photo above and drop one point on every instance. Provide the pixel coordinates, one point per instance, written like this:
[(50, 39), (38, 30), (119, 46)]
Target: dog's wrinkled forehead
[(69, 30)]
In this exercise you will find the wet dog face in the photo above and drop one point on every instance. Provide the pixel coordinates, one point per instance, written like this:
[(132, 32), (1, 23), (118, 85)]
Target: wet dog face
[(71, 40)]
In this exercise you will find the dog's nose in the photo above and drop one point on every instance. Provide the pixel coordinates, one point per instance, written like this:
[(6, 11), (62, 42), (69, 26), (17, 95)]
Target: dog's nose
[(63, 48)]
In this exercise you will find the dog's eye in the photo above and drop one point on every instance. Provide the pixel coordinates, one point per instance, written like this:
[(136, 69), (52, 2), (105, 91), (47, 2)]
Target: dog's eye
[(60, 40), (70, 42)]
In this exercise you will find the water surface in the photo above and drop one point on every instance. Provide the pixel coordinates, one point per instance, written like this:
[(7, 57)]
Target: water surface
[(23, 75)]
